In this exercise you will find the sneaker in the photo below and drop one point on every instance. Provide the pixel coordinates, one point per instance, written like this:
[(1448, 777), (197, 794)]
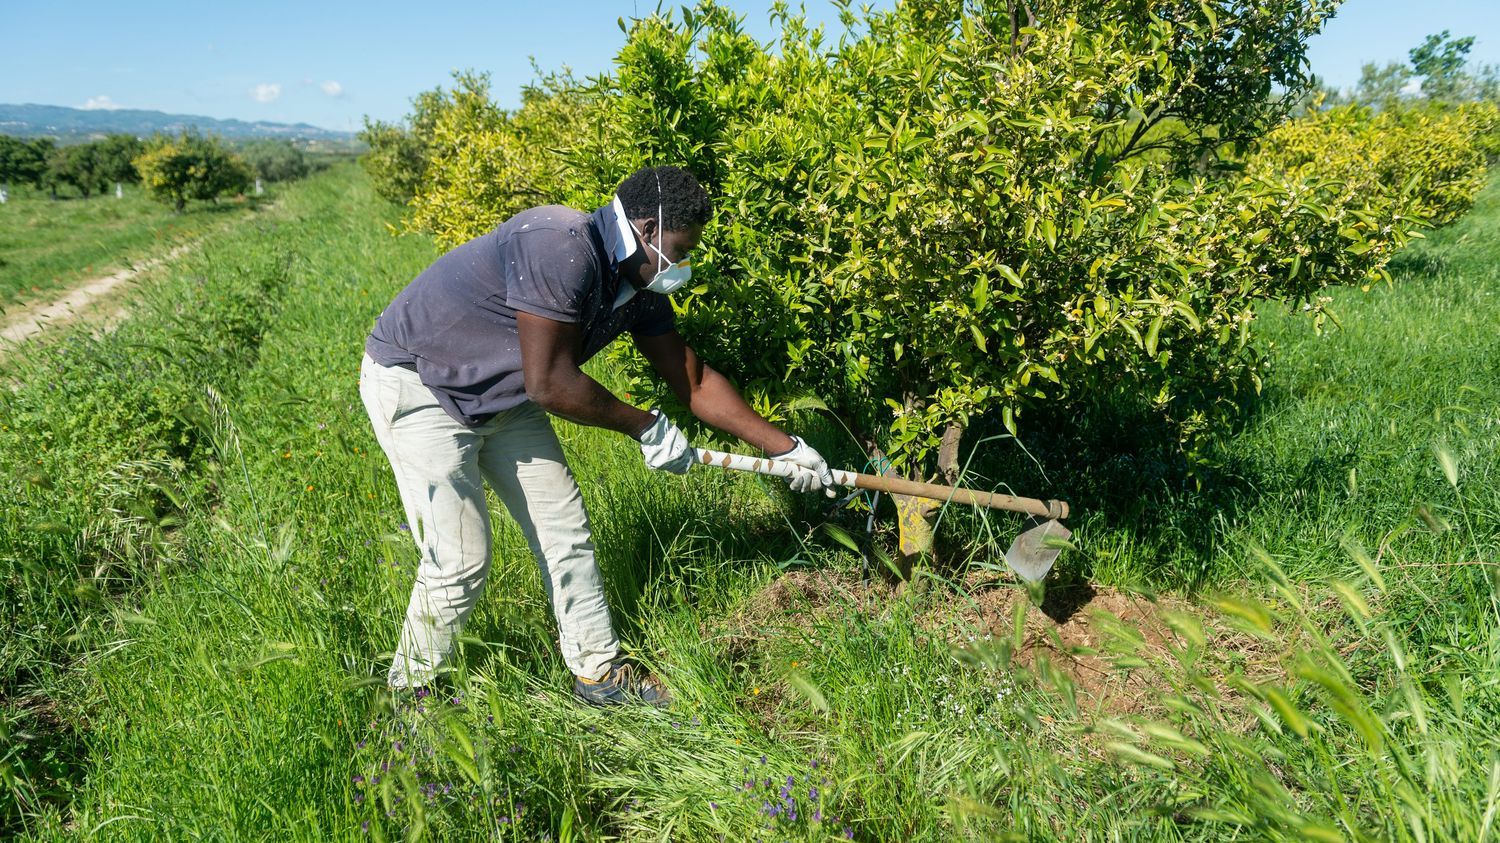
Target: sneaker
[(622, 683)]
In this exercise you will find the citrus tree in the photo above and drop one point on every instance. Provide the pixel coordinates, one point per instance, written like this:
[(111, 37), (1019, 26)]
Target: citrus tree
[(191, 166), (959, 209)]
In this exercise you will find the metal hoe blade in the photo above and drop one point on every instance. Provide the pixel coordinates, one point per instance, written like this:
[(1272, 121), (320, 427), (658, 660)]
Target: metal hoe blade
[(1032, 553)]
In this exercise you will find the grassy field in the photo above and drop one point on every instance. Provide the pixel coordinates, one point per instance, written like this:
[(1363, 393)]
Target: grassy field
[(46, 245), (203, 545)]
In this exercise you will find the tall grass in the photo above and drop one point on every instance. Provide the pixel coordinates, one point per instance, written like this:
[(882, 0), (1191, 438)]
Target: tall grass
[(47, 244), (1336, 681)]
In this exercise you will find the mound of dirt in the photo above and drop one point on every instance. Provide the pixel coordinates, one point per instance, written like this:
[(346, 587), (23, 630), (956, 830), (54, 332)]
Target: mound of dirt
[(1089, 636)]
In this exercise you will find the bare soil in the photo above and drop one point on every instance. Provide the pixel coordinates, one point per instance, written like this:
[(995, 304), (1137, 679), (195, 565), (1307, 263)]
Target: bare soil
[(1097, 639), (85, 299)]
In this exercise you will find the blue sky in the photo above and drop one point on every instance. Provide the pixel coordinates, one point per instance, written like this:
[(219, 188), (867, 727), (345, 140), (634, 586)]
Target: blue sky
[(329, 63)]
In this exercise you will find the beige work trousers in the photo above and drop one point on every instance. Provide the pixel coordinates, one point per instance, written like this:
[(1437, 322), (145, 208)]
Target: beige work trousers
[(441, 467)]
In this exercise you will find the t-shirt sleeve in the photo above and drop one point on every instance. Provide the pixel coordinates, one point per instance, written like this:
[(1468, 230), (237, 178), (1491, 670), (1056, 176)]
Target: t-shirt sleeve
[(656, 318), (549, 275)]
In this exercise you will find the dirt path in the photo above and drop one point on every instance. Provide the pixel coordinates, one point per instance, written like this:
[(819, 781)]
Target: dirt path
[(82, 300)]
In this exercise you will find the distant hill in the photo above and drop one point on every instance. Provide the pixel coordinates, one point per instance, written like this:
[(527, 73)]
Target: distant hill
[(68, 124)]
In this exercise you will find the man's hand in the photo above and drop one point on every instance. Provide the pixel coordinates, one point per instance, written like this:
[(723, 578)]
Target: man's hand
[(664, 447), (818, 475)]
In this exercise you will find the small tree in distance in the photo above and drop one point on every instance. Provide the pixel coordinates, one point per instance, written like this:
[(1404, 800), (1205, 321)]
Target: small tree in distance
[(115, 159), (275, 159), (76, 165), (191, 166), (22, 161)]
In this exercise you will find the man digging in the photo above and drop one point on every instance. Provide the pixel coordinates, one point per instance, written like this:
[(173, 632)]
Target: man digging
[(462, 369)]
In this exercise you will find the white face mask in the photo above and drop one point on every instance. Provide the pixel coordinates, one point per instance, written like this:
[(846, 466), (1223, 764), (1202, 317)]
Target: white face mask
[(671, 277)]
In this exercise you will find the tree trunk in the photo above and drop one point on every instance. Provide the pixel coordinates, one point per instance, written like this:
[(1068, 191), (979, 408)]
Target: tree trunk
[(916, 518)]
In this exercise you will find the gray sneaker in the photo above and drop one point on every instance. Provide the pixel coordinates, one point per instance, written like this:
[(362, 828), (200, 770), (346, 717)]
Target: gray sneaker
[(622, 683)]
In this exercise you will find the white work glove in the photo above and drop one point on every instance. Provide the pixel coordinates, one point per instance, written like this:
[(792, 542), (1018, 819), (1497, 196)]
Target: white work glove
[(818, 476), (664, 447)]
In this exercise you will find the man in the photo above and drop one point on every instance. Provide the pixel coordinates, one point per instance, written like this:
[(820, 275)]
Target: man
[(462, 369)]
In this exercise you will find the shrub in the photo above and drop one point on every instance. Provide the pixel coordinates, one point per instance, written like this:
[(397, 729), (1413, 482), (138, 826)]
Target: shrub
[(1429, 160), (485, 164), (23, 161), (275, 160), (397, 158), (191, 167), (959, 210)]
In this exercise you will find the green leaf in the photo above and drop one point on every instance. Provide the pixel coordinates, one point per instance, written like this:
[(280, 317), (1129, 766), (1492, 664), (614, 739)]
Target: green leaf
[(1152, 334)]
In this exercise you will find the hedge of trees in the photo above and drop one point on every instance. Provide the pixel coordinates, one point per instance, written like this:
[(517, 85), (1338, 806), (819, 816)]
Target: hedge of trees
[(87, 168), (970, 209), (174, 169)]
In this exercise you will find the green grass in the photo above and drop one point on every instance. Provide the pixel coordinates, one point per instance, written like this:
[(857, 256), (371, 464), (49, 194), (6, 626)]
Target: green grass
[(203, 542), (46, 245)]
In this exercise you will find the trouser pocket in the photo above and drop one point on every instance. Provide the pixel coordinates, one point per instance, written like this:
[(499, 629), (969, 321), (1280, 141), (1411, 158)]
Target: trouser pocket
[(380, 389)]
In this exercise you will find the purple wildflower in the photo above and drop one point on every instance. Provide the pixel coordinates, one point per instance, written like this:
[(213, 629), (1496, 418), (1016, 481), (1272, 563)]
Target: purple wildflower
[(403, 526), (359, 798), (358, 779), (713, 806), (365, 826), (817, 815), (848, 833), (812, 794)]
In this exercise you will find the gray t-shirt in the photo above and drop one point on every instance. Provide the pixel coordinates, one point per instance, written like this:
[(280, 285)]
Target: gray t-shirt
[(456, 322)]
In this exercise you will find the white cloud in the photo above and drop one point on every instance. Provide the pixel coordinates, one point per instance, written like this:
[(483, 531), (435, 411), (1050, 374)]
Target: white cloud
[(1412, 88), (101, 103), (266, 92), (333, 89)]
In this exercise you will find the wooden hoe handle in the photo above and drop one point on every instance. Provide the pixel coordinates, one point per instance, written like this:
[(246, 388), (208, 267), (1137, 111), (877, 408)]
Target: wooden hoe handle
[(891, 485)]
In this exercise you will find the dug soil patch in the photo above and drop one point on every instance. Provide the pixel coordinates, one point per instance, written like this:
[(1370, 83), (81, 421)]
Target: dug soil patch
[(1098, 640)]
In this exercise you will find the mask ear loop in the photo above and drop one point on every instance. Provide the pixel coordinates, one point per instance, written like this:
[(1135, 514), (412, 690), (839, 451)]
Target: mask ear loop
[(661, 234)]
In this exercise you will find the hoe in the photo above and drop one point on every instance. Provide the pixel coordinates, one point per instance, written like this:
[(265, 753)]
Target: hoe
[(1031, 554)]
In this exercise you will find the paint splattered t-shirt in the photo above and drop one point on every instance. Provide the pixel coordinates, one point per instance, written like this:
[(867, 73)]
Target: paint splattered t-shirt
[(456, 322)]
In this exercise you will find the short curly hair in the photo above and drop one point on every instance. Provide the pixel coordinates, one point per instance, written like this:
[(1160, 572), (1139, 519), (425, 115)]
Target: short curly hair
[(684, 203)]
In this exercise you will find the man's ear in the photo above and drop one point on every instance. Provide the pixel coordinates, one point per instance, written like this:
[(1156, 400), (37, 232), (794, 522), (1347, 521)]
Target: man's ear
[(648, 228)]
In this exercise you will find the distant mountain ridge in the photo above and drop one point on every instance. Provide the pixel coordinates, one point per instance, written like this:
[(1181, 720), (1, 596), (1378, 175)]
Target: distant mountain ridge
[(65, 123)]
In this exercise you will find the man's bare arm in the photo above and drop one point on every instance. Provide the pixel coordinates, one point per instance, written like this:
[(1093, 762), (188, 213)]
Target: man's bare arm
[(709, 394), (550, 353)]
